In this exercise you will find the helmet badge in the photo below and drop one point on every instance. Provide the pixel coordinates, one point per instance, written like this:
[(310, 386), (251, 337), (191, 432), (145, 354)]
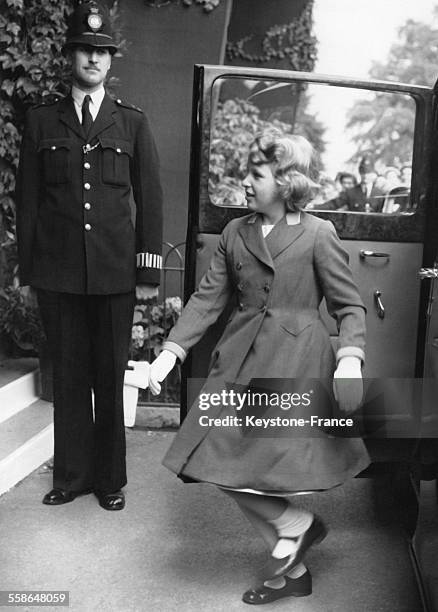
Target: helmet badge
[(94, 20)]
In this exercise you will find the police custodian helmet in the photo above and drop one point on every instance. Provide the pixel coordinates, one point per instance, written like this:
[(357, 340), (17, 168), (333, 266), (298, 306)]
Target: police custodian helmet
[(89, 24)]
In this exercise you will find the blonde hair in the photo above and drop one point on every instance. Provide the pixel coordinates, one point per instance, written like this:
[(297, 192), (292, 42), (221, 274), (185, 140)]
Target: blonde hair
[(292, 159)]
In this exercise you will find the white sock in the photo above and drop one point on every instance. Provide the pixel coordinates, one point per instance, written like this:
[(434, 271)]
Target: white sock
[(293, 523), (279, 583)]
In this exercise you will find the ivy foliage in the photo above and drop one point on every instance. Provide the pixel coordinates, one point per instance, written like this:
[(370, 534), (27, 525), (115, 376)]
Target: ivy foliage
[(293, 42), (33, 69), (207, 5)]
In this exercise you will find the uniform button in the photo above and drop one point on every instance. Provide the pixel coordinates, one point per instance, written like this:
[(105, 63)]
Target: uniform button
[(118, 101), (87, 227), (267, 288), (238, 265), (87, 186), (87, 205), (118, 150), (53, 148), (87, 166), (241, 306)]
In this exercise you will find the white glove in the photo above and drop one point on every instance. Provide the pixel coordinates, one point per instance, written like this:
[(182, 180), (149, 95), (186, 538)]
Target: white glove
[(160, 368), (348, 384), (139, 376)]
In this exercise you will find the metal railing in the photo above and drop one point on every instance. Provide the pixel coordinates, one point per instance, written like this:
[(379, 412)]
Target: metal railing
[(161, 316)]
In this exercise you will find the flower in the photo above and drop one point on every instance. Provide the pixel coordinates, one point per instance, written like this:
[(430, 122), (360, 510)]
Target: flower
[(138, 336)]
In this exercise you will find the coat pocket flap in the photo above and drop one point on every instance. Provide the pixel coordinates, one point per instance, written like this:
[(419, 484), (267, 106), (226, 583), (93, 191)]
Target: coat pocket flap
[(298, 321), (52, 144), (118, 145)]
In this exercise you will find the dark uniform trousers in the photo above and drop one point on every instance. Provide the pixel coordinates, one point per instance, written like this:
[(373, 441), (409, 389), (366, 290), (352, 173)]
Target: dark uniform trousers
[(88, 338), (83, 252)]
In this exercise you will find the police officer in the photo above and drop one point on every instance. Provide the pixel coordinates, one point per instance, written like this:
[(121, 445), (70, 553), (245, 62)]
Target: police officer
[(367, 196), (79, 249)]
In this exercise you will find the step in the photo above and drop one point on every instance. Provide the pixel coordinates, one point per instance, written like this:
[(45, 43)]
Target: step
[(26, 441), (19, 386), (157, 416)]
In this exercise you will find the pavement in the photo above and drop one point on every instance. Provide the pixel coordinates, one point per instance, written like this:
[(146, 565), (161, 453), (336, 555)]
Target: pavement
[(186, 547)]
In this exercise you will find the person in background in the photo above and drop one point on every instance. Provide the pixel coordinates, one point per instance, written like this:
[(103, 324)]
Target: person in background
[(346, 180), (397, 200), (367, 196), (78, 249)]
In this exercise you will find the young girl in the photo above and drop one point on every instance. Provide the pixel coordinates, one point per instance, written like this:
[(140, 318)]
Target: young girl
[(278, 263)]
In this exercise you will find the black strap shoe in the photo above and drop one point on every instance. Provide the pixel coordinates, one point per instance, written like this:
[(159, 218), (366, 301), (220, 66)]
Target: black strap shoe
[(294, 587), (111, 501)]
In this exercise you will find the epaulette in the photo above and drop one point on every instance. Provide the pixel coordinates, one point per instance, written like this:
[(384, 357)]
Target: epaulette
[(120, 102), (49, 101)]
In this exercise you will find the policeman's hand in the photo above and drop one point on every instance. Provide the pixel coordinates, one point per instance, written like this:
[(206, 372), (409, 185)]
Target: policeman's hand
[(348, 384), (145, 292), (159, 369)]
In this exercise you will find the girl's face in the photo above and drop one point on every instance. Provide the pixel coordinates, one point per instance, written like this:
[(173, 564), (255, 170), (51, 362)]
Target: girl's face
[(261, 190)]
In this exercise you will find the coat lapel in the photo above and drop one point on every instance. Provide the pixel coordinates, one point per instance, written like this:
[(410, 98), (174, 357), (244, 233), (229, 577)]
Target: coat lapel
[(67, 115), (282, 236), (252, 237), (105, 117)]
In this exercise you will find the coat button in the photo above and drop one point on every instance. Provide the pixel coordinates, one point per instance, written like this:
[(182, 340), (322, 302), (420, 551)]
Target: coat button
[(87, 186), (87, 227), (238, 265), (241, 306), (87, 166), (264, 308), (239, 286), (118, 150), (87, 205), (53, 148)]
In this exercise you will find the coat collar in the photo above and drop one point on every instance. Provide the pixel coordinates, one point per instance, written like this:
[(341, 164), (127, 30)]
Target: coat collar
[(279, 239), (104, 119)]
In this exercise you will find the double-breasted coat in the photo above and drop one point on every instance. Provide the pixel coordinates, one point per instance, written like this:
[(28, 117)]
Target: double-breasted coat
[(75, 233), (274, 331)]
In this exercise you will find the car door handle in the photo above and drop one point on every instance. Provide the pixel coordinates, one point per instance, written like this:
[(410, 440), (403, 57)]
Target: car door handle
[(363, 253), (379, 305)]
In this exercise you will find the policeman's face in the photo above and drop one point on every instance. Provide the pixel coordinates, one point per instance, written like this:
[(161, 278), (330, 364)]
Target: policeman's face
[(90, 65), (368, 177)]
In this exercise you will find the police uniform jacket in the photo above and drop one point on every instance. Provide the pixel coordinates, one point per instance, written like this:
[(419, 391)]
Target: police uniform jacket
[(74, 222), (274, 331), (355, 199)]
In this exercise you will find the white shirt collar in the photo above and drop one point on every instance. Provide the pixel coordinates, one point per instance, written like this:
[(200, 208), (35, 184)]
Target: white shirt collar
[(78, 96)]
